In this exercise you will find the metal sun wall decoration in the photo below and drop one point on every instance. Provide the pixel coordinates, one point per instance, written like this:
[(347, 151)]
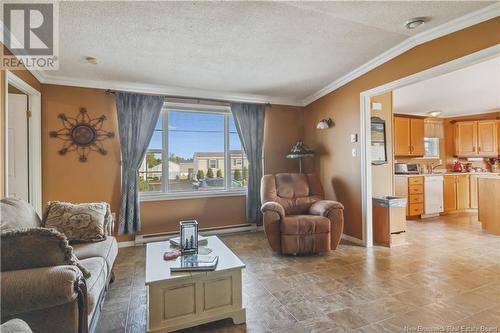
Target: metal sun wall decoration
[(82, 134)]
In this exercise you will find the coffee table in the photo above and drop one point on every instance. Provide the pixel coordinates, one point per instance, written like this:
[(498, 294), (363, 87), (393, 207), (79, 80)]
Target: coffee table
[(178, 300)]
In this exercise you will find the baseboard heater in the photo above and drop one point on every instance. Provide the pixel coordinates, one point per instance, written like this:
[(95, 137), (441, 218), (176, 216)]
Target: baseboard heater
[(230, 229)]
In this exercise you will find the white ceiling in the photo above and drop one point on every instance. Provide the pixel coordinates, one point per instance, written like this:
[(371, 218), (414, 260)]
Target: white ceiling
[(284, 51), (474, 89)]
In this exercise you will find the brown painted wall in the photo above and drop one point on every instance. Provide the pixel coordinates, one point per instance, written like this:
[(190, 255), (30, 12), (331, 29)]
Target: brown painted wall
[(65, 178), (32, 81), (382, 179), (339, 171), (283, 127)]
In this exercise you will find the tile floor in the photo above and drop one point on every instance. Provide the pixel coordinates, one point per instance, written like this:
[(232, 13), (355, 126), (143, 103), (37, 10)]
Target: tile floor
[(447, 275)]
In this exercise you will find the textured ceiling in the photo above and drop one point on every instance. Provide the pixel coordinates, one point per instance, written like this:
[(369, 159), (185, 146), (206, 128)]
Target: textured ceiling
[(474, 89), (286, 50)]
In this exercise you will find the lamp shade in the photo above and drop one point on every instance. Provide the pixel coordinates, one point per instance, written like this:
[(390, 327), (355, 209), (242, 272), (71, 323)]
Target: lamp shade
[(300, 150)]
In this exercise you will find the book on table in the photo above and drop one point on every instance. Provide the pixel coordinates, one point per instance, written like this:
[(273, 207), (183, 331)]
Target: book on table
[(194, 262)]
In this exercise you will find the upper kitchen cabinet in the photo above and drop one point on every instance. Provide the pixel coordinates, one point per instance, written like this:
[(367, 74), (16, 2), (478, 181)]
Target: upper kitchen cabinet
[(476, 138), (408, 136), (487, 138)]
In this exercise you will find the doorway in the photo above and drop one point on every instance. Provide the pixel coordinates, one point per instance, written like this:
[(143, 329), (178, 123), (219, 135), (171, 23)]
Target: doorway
[(22, 141), (365, 118), (17, 168)]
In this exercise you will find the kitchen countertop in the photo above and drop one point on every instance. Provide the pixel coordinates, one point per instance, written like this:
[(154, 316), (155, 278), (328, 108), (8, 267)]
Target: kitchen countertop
[(485, 174), (490, 175)]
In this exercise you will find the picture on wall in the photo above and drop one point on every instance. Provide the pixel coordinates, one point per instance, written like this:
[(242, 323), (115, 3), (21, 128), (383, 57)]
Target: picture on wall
[(378, 141)]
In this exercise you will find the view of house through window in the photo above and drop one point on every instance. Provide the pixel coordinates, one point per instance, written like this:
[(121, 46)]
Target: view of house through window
[(203, 151)]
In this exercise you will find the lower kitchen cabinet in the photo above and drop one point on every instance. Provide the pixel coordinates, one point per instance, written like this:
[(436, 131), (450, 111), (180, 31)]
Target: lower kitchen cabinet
[(473, 191), (412, 188), (456, 192)]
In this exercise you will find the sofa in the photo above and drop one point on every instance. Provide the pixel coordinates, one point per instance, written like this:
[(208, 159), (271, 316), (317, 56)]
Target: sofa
[(53, 298), (296, 218)]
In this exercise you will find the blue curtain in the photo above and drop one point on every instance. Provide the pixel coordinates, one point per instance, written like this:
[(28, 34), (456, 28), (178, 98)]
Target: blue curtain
[(137, 117), (249, 120)]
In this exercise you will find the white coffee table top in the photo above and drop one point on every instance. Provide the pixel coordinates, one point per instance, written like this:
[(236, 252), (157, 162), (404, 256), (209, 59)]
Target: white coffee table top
[(158, 269)]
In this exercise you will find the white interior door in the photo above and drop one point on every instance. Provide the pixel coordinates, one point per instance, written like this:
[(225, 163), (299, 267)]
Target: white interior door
[(17, 150)]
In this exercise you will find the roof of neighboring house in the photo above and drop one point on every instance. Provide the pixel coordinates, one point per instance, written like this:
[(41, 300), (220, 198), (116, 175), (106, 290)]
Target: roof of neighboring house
[(201, 154)]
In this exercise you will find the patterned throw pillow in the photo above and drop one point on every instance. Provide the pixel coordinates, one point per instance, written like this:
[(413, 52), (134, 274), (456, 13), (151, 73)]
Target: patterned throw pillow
[(86, 222)]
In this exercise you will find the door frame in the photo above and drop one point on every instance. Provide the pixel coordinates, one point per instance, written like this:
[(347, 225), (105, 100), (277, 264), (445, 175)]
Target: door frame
[(365, 114), (34, 139)]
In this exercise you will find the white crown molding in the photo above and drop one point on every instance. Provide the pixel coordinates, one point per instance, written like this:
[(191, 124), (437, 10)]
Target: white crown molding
[(462, 22), (170, 90)]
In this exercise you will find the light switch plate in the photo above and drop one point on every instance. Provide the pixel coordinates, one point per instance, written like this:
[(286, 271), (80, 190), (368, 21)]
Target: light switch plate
[(376, 106), (354, 138), (354, 152)]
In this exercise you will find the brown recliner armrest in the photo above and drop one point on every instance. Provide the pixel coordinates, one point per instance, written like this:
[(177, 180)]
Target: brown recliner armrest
[(272, 206), (323, 207), (273, 214), (335, 212)]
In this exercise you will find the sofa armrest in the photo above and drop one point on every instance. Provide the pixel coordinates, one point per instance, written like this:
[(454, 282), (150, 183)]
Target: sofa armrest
[(324, 207), (28, 290), (272, 206)]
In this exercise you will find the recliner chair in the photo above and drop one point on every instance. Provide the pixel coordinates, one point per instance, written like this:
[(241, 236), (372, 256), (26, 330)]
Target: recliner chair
[(297, 219)]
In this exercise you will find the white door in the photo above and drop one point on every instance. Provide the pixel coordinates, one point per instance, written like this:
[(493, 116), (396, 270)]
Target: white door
[(17, 150)]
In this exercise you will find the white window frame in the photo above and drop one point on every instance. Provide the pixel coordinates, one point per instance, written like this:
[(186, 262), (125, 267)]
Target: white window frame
[(213, 160), (438, 149), (164, 194)]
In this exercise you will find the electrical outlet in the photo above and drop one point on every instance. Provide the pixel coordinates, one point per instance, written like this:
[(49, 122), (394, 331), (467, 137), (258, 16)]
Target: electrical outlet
[(354, 152), (354, 138)]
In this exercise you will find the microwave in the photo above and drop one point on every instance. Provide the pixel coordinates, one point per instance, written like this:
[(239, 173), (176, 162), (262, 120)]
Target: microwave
[(407, 169)]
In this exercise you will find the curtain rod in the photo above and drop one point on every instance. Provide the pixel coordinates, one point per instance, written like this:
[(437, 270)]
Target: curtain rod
[(112, 92)]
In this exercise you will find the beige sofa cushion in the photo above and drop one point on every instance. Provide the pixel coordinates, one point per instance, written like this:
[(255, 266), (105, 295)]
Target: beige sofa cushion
[(97, 281), (17, 214), (107, 249), (36, 247), (86, 222)]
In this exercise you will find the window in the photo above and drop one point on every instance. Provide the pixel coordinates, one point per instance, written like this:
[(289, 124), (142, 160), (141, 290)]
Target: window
[(212, 164), (150, 171), (203, 153), (431, 147)]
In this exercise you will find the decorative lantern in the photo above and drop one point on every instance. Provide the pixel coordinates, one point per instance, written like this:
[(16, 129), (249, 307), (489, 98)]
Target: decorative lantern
[(189, 237)]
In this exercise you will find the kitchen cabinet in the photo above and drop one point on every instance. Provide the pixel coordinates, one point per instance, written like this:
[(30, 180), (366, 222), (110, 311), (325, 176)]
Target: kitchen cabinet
[(489, 197), (408, 136), (473, 191), (498, 136), (417, 136), (412, 188), (450, 193), (487, 138), (476, 138), (456, 192)]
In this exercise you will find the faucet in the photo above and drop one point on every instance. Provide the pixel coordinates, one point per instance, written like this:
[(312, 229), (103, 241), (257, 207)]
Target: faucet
[(433, 167)]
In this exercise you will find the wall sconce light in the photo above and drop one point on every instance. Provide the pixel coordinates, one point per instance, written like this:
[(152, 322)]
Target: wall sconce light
[(324, 123)]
